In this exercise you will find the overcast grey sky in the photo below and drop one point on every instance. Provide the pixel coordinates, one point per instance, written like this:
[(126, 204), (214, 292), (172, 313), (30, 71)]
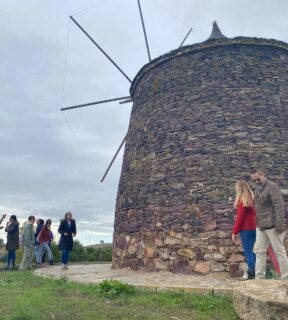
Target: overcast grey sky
[(50, 164)]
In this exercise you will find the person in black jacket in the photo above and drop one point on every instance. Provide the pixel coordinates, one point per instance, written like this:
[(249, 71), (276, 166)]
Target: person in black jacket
[(12, 229), (67, 229)]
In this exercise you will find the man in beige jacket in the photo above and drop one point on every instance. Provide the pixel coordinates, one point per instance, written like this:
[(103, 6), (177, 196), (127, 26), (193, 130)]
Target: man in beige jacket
[(28, 244), (270, 213)]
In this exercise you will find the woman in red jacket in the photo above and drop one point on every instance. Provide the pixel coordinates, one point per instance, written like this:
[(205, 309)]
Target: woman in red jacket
[(44, 238), (245, 223)]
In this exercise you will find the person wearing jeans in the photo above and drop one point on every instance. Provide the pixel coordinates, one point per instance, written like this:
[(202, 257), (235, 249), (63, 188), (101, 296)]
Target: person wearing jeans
[(270, 213), (245, 223), (67, 229), (38, 247), (65, 257), (44, 238), (12, 229)]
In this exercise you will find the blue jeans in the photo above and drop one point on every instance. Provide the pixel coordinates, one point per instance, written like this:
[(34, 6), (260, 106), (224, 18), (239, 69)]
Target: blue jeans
[(38, 253), (11, 257), (46, 248), (248, 238), (65, 256)]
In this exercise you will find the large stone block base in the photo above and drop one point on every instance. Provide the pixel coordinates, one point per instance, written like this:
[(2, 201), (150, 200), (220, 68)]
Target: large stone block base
[(261, 299)]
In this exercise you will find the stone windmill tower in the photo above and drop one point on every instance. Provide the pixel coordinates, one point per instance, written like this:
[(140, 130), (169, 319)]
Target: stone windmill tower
[(202, 116)]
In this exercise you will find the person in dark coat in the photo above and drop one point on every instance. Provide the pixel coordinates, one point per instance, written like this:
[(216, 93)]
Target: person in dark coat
[(67, 229), (12, 229)]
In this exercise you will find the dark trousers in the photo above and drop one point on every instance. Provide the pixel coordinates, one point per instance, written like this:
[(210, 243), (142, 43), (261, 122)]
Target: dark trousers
[(11, 257), (65, 256), (248, 238)]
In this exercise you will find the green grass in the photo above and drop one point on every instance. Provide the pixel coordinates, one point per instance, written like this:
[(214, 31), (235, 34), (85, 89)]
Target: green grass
[(24, 296)]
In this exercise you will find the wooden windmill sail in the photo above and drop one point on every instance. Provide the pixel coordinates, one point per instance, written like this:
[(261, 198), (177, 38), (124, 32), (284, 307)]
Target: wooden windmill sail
[(124, 99)]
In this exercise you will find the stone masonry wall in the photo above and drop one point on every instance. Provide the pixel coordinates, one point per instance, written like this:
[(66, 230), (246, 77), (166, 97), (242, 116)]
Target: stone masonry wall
[(202, 117)]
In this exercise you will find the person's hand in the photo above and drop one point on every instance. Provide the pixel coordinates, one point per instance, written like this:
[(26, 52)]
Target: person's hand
[(65, 233), (74, 235), (1, 227), (233, 238), (3, 216)]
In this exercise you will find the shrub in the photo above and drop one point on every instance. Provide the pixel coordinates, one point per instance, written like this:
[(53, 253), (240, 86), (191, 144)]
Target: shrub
[(115, 288)]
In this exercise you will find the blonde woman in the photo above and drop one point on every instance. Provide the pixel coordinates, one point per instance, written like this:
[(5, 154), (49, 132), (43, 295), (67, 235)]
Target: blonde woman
[(245, 223)]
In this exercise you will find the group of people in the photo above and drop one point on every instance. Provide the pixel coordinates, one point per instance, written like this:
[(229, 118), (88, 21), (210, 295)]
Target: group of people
[(38, 243), (260, 223)]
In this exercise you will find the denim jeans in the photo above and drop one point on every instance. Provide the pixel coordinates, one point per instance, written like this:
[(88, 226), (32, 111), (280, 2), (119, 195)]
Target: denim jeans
[(11, 257), (38, 253), (46, 248), (65, 256), (248, 238)]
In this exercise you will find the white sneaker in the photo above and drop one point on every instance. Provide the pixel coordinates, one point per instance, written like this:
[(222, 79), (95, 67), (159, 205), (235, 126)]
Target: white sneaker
[(245, 275)]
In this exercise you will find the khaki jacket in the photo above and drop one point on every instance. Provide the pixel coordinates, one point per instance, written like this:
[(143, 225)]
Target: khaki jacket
[(29, 237), (269, 205)]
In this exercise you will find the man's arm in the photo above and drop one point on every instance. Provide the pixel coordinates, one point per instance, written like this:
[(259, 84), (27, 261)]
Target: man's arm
[(278, 205)]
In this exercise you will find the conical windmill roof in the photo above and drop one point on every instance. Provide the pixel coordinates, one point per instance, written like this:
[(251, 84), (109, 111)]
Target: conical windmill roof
[(216, 33)]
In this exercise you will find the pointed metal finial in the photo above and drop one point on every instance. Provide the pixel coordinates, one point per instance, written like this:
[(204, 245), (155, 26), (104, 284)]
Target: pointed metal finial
[(216, 33)]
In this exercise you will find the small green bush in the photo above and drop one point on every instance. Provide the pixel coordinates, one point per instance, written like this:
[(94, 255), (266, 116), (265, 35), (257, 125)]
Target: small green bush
[(61, 281), (115, 288)]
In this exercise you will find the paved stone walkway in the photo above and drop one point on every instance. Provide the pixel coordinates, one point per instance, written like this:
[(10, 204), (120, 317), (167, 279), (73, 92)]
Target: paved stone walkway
[(95, 273)]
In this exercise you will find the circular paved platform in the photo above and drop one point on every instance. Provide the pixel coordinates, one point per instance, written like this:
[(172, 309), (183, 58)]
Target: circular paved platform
[(95, 273)]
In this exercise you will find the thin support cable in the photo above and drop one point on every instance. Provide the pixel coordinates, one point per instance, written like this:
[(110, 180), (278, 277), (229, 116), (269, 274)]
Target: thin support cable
[(78, 143), (171, 13), (88, 8)]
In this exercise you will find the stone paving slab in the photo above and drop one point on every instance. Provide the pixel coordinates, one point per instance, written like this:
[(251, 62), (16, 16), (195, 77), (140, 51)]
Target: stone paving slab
[(261, 300), (95, 273)]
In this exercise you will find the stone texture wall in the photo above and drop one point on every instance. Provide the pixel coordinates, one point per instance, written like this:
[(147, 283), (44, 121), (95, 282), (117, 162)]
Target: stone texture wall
[(201, 117)]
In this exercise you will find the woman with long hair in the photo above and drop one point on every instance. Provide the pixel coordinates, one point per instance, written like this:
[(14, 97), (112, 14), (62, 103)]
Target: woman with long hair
[(67, 229), (43, 239), (12, 229), (245, 223)]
